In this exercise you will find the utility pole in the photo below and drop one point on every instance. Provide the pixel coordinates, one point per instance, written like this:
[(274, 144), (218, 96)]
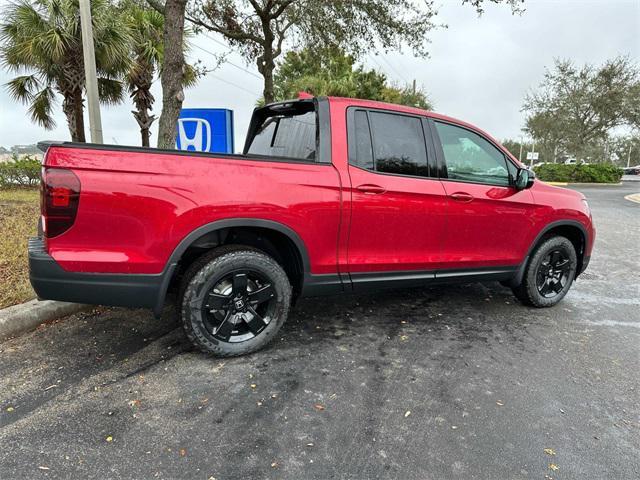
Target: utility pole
[(90, 76), (521, 142), (629, 156), (533, 150)]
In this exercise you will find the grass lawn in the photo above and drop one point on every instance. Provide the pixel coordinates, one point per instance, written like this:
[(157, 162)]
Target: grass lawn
[(19, 211)]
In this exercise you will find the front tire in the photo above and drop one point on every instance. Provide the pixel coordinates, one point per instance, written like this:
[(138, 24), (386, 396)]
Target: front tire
[(234, 300), (549, 274)]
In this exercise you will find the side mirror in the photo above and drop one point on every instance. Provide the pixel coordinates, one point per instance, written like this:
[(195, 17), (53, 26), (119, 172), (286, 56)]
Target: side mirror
[(524, 179)]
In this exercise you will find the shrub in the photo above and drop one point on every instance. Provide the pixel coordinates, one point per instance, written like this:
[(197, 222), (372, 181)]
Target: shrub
[(585, 173), (20, 172)]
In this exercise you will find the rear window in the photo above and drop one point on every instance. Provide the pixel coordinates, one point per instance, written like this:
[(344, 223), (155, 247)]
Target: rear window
[(284, 132)]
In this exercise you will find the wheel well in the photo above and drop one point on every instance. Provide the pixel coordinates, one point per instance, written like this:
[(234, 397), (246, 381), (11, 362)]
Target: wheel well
[(575, 236), (272, 242)]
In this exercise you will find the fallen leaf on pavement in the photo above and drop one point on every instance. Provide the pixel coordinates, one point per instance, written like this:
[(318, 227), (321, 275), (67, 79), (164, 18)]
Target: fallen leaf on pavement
[(274, 465), (109, 438), (44, 468), (319, 407), (183, 452), (554, 467), (407, 413), (253, 385), (549, 451), (499, 403), (10, 409)]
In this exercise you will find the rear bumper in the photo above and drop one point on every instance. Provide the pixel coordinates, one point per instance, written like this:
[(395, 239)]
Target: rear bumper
[(51, 282)]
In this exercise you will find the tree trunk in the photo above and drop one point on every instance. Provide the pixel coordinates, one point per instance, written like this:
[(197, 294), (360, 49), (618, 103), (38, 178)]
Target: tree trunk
[(266, 63), (140, 88), (144, 121), (145, 135), (73, 108), (269, 95), (172, 75), (266, 66)]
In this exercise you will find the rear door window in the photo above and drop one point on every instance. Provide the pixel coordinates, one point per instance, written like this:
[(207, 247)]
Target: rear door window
[(388, 143), (398, 144)]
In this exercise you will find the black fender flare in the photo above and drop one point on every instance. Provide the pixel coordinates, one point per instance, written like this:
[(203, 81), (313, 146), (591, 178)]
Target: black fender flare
[(187, 241), (517, 278)]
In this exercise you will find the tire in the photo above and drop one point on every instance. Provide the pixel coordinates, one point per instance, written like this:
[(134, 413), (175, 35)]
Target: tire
[(234, 300), (549, 274)]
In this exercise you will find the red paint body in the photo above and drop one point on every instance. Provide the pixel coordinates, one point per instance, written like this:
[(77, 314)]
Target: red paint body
[(135, 207)]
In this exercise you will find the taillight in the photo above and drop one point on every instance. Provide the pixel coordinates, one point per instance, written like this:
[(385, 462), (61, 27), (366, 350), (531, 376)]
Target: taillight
[(60, 197)]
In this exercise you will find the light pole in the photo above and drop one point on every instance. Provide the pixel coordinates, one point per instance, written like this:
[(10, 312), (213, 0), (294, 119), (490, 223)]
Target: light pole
[(90, 76), (521, 142)]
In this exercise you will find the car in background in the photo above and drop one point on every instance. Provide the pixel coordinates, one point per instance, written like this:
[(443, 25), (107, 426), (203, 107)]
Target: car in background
[(632, 170)]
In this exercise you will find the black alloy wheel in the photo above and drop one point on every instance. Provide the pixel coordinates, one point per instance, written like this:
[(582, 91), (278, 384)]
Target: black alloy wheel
[(549, 273), (234, 300), (553, 273), (239, 306)]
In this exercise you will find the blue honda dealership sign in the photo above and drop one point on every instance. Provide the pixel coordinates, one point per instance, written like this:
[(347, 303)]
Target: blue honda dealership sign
[(205, 130)]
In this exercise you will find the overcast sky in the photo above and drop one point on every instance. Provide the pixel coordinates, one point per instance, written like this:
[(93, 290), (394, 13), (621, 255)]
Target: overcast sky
[(479, 69)]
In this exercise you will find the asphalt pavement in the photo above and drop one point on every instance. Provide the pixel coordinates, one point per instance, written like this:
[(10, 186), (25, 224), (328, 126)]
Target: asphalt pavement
[(443, 382)]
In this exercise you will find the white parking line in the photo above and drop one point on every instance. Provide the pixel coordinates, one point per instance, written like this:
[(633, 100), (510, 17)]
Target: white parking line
[(612, 323)]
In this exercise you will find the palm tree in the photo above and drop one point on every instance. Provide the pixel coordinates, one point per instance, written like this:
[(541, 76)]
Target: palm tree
[(42, 38), (147, 26)]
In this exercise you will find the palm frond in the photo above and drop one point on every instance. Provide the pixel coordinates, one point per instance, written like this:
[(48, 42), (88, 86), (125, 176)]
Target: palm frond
[(42, 106), (110, 91), (23, 88)]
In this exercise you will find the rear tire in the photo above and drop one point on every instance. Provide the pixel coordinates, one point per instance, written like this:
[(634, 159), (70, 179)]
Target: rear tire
[(549, 274), (234, 301)]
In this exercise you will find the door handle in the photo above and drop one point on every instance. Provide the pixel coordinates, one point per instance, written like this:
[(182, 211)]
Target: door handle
[(463, 197), (371, 189)]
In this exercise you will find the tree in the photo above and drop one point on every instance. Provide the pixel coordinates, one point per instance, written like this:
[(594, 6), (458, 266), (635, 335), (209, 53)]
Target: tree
[(258, 29), (43, 37), (174, 68), (332, 72), (147, 26), (625, 150), (516, 146), (576, 108), (147, 57)]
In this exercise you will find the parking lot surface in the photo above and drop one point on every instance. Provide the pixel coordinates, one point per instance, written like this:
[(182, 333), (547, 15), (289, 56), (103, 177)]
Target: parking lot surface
[(442, 382)]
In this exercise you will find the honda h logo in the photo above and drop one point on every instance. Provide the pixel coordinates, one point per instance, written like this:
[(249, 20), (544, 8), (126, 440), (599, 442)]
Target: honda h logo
[(194, 134)]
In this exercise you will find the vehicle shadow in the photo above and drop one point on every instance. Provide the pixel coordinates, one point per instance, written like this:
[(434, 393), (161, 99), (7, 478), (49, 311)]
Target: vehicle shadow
[(470, 312), (94, 349)]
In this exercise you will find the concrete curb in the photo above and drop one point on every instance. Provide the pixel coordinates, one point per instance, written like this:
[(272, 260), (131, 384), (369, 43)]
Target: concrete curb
[(634, 197), (564, 184), (27, 316)]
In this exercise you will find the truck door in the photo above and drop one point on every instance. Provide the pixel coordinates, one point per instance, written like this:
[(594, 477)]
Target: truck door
[(398, 212), (488, 218)]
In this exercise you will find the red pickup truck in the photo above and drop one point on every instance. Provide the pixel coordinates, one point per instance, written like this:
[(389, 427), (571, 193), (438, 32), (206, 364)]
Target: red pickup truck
[(331, 195)]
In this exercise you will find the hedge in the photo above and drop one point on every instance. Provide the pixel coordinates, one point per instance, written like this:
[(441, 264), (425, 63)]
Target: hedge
[(579, 173), (20, 172)]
